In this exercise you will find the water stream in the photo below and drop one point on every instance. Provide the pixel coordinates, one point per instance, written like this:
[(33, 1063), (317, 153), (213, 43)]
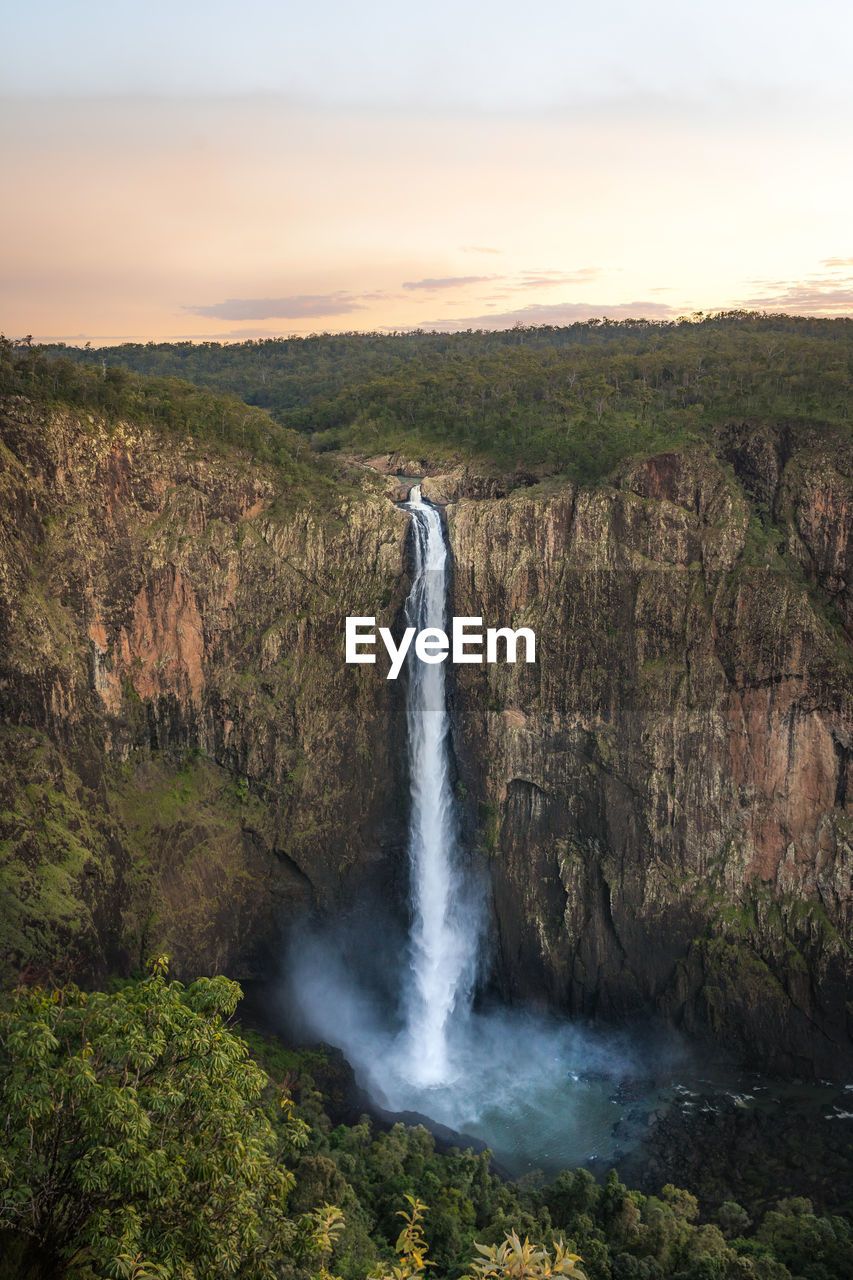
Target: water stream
[(446, 920)]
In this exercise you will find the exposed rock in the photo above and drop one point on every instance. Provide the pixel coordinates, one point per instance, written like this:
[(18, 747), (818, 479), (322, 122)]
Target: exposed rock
[(159, 599), (757, 454), (665, 795), (437, 484), (815, 505), (398, 464), (462, 483)]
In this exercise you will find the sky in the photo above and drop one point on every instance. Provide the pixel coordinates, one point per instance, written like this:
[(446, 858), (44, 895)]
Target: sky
[(197, 169)]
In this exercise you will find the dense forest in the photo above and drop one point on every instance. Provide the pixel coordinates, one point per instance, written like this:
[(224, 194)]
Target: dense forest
[(576, 399), (142, 1140)]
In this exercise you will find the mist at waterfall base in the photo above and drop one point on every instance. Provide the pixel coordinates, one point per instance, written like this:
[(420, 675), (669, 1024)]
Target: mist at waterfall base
[(397, 997), (541, 1091)]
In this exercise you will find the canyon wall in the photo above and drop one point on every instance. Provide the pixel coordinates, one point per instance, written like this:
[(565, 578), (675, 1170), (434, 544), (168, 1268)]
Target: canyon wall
[(665, 794), (188, 762), (663, 799)]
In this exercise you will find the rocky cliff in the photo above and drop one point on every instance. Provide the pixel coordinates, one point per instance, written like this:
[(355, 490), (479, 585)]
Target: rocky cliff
[(663, 798), (665, 795), (188, 762)]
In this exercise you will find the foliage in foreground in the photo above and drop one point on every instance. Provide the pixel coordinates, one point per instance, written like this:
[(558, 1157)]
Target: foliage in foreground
[(620, 1234), (142, 1141), (134, 1144), (510, 1260)]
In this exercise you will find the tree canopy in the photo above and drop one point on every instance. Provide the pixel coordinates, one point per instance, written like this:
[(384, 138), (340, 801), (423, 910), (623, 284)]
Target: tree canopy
[(577, 398), (134, 1144), (142, 1142)]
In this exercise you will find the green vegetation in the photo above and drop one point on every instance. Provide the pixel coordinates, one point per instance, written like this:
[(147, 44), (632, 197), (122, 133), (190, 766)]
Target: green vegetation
[(188, 858), (141, 1140), (618, 1233), (54, 855), (133, 1142), (115, 394), (578, 399)]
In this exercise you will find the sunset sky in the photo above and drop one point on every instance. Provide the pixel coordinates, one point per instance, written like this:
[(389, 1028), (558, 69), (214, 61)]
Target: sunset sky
[(209, 170)]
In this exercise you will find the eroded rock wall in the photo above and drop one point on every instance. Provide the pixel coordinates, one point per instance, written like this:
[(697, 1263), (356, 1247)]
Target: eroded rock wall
[(664, 796), (172, 652), (663, 799)]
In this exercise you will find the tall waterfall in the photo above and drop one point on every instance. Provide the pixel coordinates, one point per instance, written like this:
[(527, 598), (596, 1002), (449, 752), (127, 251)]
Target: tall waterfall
[(445, 933), (537, 1090)]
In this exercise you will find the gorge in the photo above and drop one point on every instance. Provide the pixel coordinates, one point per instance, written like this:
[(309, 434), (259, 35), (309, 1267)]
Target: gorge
[(662, 800), (660, 804), (539, 1092), (648, 828)]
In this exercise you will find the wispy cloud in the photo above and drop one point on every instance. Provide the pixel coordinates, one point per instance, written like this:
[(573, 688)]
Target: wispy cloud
[(546, 279), (534, 278), (293, 308), (445, 282), (479, 248), (829, 292), (557, 313), (806, 298)]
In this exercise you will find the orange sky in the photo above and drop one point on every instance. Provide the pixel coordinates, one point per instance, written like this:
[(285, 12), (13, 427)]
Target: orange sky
[(140, 216)]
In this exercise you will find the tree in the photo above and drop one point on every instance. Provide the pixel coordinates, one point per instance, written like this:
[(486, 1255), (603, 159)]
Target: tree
[(509, 1260), (134, 1143), (513, 1260)]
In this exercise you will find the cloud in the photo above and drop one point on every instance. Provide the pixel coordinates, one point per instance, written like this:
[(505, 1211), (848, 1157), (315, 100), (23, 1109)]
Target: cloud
[(479, 248), (545, 279), (558, 313), (829, 291), (535, 278), (302, 305), (809, 298), (445, 282)]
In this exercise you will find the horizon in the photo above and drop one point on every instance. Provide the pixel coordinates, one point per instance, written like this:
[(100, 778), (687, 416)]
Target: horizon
[(187, 173), (696, 319)]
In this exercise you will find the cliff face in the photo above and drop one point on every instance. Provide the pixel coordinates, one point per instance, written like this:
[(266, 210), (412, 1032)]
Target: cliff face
[(188, 761), (664, 797)]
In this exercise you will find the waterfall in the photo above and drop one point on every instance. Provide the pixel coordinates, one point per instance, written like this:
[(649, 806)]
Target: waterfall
[(445, 931), (538, 1090)]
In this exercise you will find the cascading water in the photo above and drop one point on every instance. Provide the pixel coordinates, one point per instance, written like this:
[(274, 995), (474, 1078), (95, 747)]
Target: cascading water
[(445, 936), (537, 1089)]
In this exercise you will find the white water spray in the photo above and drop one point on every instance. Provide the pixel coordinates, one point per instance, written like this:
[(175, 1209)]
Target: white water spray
[(445, 935), (537, 1090)]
